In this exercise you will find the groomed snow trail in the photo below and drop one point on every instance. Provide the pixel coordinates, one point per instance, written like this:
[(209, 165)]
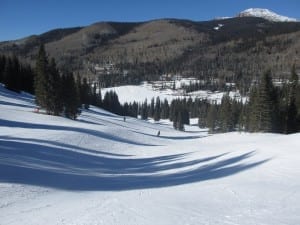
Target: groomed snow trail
[(102, 170)]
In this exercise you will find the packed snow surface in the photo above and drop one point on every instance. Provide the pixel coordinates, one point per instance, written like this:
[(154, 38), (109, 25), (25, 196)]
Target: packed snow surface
[(266, 14), (103, 170)]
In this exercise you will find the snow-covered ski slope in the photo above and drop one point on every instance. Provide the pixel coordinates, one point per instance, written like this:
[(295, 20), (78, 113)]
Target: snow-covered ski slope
[(102, 170)]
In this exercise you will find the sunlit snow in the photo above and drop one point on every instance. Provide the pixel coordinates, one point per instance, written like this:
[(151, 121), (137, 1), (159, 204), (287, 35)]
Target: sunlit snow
[(102, 170)]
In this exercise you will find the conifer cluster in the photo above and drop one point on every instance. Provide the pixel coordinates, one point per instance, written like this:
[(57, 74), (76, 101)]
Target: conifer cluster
[(58, 92), (268, 109), (15, 75)]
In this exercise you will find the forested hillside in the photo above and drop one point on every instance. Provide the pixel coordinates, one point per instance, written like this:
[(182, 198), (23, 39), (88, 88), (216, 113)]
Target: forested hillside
[(231, 50)]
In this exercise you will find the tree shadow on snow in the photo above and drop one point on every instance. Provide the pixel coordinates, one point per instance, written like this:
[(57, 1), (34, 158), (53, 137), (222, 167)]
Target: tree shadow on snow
[(35, 163), (16, 104), (96, 133), (14, 95)]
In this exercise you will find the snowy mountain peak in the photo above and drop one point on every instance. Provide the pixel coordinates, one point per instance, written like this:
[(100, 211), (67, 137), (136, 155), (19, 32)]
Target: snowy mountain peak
[(266, 14)]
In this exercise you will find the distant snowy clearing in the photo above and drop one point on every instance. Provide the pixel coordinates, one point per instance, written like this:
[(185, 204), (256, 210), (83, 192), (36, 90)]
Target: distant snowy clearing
[(102, 170), (131, 93)]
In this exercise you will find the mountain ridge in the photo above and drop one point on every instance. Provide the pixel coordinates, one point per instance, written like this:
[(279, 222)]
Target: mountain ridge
[(220, 49), (266, 14)]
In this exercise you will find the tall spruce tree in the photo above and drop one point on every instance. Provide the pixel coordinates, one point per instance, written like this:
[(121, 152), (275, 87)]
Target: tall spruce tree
[(180, 114), (226, 114), (16, 76), (8, 74), (27, 78), (242, 117), (292, 111), (41, 77), (267, 105), (165, 109), (54, 104), (172, 111), (180, 120), (85, 94), (252, 112), (12, 74), (70, 96), (79, 89), (152, 108), (96, 98), (144, 110), (185, 115), (202, 115), (212, 118), (175, 118), (111, 103), (2, 66), (157, 110)]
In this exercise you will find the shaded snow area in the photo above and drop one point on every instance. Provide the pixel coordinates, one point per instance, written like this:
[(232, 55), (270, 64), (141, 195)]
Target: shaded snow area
[(102, 170)]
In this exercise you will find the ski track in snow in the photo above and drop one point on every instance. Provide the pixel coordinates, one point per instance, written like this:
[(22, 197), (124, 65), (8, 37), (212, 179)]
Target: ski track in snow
[(102, 170)]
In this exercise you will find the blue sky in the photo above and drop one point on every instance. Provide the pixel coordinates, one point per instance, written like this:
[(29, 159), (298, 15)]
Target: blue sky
[(21, 18)]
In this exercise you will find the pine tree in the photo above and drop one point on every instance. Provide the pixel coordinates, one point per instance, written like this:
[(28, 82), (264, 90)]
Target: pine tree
[(185, 115), (27, 79), (242, 118), (157, 110), (70, 96), (267, 105), (212, 118), (180, 114), (8, 74), (16, 76), (263, 108), (237, 108), (134, 109), (144, 110), (292, 111), (12, 75), (180, 121), (293, 82), (292, 121), (202, 123), (85, 94), (96, 97), (252, 112), (165, 109), (54, 101), (152, 106), (111, 103), (40, 81), (2, 66), (226, 114), (175, 118), (126, 109), (79, 90), (173, 107)]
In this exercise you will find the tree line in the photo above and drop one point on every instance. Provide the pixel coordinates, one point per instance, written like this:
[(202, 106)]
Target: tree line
[(16, 76), (268, 109), (59, 93)]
